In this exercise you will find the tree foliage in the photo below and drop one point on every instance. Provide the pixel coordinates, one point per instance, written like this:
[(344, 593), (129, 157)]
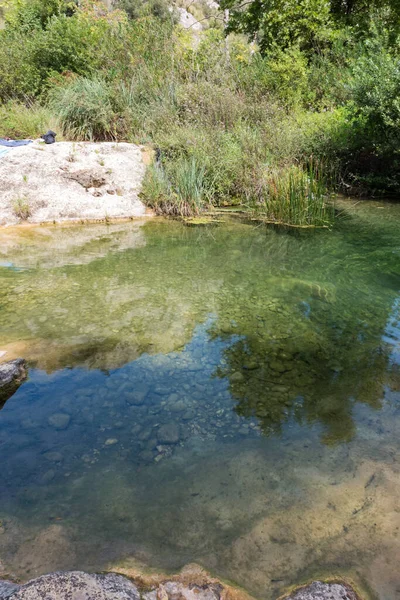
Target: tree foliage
[(310, 24)]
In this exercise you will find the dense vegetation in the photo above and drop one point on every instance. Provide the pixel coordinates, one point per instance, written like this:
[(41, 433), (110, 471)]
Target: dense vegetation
[(311, 102)]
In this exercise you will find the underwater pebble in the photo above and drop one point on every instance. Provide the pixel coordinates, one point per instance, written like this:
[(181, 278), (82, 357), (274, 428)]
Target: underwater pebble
[(111, 442), (169, 433), (137, 395), (146, 456), (178, 406), (237, 377), (59, 421), (48, 476), (53, 456)]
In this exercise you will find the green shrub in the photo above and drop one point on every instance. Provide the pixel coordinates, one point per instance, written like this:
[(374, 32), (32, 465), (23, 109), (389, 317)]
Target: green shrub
[(84, 109), (19, 77), (282, 75)]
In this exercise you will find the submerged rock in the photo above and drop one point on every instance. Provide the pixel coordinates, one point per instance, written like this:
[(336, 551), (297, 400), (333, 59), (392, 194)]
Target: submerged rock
[(323, 591), (111, 442), (59, 421), (137, 396), (169, 434), (12, 373)]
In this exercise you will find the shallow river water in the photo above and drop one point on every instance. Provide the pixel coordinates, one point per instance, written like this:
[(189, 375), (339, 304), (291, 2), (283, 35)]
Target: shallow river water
[(223, 395)]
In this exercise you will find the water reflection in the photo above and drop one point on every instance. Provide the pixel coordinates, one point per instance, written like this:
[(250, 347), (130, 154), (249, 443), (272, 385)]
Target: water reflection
[(197, 396)]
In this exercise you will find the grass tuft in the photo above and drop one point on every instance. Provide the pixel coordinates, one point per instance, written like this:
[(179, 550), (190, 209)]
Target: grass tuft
[(298, 196)]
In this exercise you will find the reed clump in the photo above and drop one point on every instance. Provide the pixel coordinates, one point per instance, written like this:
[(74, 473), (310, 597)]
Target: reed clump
[(298, 196)]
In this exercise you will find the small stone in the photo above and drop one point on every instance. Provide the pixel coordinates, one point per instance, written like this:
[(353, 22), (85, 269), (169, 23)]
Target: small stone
[(111, 442), (251, 365), (53, 456), (48, 476), (145, 435), (280, 388), (178, 406), (169, 434), (146, 456), (189, 415), (173, 398), (278, 366), (28, 424), (137, 395), (151, 444), (59, 421), (237, 377)]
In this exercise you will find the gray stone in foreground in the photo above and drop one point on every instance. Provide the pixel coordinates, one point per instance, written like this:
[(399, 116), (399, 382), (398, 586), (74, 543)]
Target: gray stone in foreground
[(7, 588), (12, 373), (323, 591), (77, 585), (13, 370)]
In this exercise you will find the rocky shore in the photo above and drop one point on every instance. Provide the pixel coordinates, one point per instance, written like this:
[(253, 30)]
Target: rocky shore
[(78, 585)]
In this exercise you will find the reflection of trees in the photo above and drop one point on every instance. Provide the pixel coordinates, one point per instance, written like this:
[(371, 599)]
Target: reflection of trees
[(314, 377), (310, 350)]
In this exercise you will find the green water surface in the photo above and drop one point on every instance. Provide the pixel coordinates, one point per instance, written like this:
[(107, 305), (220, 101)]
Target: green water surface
[(223, 395)]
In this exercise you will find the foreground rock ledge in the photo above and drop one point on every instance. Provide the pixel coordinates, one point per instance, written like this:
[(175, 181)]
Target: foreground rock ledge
[(12, 373), (69, 181), (77, 585)]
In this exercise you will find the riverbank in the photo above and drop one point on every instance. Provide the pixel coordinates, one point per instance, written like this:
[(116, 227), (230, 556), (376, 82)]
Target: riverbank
[(69, 181)]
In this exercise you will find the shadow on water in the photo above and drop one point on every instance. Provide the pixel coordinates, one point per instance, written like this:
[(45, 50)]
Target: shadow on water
[(228, 396)]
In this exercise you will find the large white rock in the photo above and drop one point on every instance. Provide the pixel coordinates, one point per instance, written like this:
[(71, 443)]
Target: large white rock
[(70, 181)]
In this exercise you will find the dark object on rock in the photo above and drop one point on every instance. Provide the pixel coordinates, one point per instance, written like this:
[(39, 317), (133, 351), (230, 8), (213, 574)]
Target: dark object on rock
[(12, 373), (49, 137), (323, 591), (14, 143), (76, 585)]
